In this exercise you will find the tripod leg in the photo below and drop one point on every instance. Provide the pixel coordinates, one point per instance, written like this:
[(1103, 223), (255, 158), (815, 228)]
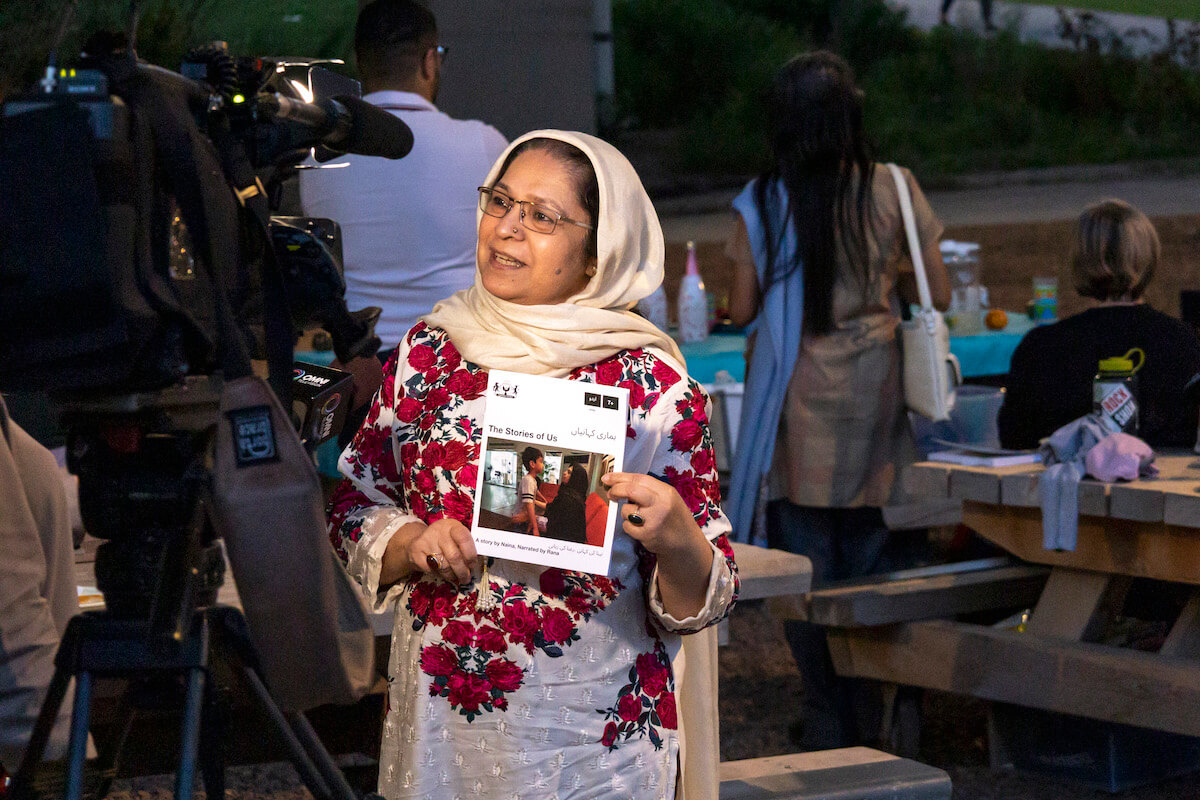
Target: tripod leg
[(299, 758), (320, 756), (212, 730), (189, 741), (79, 733)]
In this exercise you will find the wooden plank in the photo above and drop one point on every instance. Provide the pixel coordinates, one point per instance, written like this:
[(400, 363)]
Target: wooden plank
[(1136, 501), (1184, 639), (927, 479), (764, 572), (978, 485), (852, 772), (929, 512), (1123, 547), (927, 597), (1021, 490), (1181, 506), (1088, 680), (1077, 605)]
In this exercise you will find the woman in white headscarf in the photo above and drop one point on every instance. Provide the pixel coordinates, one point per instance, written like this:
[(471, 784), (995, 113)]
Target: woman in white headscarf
[(515, 681)]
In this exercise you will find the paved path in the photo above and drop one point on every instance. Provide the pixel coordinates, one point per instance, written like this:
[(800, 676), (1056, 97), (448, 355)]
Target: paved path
[(1156, 195), (1040, 23)]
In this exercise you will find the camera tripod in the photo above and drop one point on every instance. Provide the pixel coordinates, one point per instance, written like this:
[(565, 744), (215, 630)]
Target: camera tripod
[(98, 644)]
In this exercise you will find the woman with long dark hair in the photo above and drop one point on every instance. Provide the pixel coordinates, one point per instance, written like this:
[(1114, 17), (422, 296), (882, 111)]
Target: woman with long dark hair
[(566, 514), (821, 271)]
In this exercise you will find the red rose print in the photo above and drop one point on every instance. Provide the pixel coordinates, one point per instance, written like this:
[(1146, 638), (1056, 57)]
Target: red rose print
[(425, 481), (468, 691), (408, 409), (461, 384), (455, 456), (686, 435), (489, 639), (665, 708), (420, 599), (691, 491), (557, 625), (468, 475), (610, 734), (637, 395), (418, 507), (520, 621), (458, 633), (579, 603), (652, 674), (459, 505), (408, 452), (433, 454), (437, 659), (629, 708), (702, 462), (428, 421), (504, 674), (609, 372), (438, 398), (451, 357), (421, 357), (551, 582), (664, 374)]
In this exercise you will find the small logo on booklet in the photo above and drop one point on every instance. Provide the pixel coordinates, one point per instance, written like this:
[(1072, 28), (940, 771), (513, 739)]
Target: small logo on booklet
[(504, 390)]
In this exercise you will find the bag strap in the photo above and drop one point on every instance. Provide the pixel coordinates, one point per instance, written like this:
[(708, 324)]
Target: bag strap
[(914, 241)]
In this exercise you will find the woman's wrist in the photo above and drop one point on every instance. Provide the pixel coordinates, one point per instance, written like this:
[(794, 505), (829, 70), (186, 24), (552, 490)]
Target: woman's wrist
[(397, 563)]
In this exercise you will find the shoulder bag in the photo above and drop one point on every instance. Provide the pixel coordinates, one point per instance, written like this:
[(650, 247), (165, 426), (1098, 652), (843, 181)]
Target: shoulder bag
[(931, 371)]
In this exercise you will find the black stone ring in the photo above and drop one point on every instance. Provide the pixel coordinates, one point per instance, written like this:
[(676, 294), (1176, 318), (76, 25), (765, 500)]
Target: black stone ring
[(635, 518)]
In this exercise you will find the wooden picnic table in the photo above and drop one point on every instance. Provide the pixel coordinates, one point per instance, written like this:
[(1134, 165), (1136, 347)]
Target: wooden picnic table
[(1142, 529)]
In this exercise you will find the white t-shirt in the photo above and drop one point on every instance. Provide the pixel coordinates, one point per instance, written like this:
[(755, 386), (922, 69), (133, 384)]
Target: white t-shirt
[(527, 491), (408, 225)]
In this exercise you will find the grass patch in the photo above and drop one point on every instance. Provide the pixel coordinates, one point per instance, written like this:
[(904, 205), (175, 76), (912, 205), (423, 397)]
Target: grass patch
[(1167, 9)]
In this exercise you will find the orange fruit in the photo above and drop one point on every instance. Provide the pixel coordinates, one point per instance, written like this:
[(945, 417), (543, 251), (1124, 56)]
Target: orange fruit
[(996, 319)]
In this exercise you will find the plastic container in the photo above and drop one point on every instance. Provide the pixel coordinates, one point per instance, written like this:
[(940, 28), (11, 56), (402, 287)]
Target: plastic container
[(654, 307), (693, 302), (1044, 307), (1114, 392), (967, 295)]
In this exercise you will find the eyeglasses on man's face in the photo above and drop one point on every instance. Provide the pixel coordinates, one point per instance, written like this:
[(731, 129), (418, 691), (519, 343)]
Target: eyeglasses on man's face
[(534, 216)]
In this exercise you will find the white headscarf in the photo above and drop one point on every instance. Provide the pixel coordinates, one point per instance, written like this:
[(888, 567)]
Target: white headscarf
[(593, 324)]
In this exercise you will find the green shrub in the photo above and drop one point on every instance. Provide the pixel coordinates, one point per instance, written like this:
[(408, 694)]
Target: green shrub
[(943, 102)]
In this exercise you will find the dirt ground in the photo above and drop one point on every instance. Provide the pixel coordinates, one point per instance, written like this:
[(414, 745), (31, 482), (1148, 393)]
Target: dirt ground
[(760, 692), (1012, 255)]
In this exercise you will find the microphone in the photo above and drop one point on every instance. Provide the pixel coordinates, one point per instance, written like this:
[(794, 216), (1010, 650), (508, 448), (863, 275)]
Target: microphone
[(344, 123)]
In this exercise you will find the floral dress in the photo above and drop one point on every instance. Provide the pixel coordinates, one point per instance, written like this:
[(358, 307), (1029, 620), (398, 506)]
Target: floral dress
[(560, 684)]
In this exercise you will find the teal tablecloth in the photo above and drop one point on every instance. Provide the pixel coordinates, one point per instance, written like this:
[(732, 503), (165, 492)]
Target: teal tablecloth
[(979, 354)]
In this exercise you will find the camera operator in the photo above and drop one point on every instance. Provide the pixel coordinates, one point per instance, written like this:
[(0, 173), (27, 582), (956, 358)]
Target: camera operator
[(37, 587), (408, 226)]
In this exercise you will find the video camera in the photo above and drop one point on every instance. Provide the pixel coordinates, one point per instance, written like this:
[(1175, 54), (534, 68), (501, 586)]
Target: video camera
[(140, 266)]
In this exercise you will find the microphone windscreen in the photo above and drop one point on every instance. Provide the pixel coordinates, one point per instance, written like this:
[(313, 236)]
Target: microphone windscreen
[(374, 132)]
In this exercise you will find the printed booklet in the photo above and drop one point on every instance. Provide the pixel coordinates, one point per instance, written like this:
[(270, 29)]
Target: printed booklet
[(573, 432)]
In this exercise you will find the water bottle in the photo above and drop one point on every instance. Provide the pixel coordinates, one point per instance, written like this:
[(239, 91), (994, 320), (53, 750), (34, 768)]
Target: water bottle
[(1114, 392), (693, 302), (654, 308)]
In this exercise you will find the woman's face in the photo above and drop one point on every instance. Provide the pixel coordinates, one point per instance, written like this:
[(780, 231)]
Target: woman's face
[(524, 266)]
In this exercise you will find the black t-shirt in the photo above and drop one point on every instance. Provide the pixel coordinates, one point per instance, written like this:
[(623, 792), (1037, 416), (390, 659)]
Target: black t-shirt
[(1050, 380)]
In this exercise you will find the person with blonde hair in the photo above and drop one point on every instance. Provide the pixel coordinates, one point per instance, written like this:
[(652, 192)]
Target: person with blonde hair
[(1116, 254)]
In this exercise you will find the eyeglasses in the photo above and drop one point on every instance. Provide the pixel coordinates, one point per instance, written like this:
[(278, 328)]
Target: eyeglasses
[(540, 219)]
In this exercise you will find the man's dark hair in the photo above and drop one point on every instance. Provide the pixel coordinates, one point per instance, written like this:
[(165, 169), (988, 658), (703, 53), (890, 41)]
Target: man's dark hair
[(390, 37), (529, 455)]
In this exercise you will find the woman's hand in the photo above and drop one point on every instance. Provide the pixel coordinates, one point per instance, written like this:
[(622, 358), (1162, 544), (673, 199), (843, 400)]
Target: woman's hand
[(443, 548), (655, 515)]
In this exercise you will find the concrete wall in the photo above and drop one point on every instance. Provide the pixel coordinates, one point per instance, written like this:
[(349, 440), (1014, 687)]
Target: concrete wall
[(518, 64)]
